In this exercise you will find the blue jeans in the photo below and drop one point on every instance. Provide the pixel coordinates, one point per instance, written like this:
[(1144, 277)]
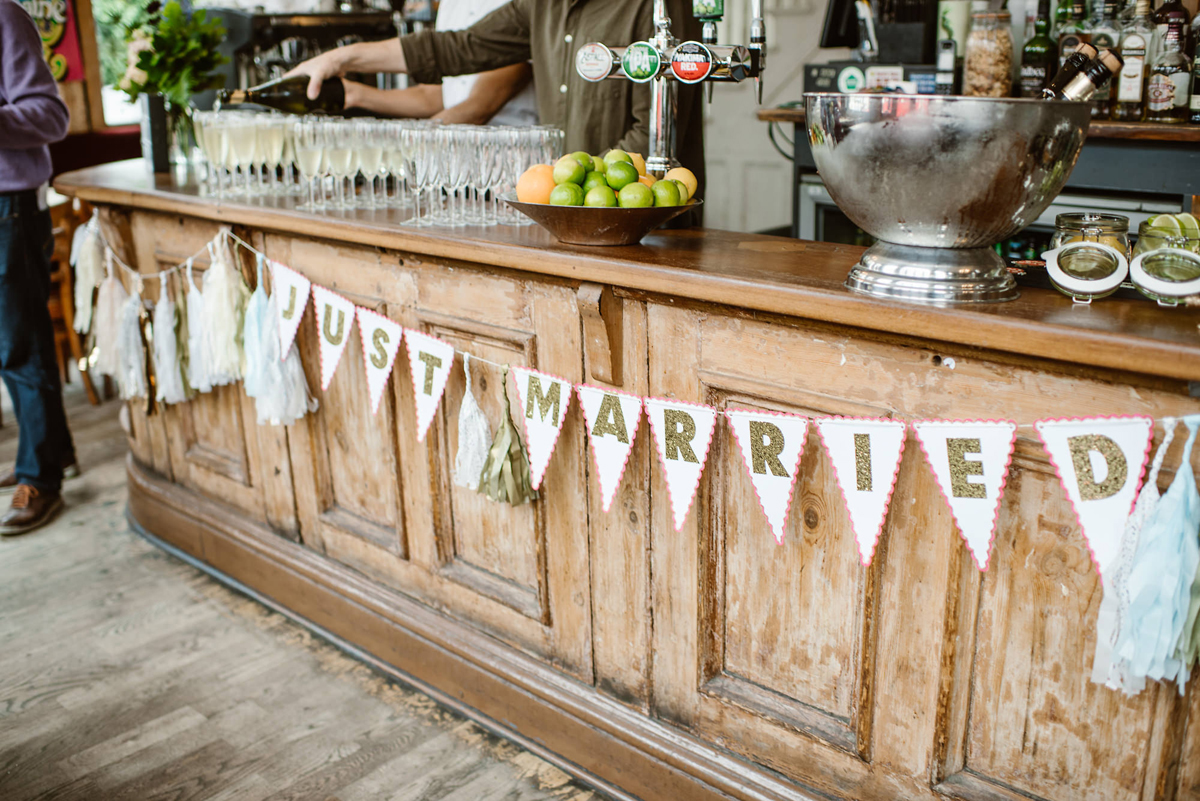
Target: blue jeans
[(27, 359)]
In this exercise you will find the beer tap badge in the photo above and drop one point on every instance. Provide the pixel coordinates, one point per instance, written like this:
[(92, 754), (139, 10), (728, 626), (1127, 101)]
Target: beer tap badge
[(641, 62), (594, 62), (692, 62)]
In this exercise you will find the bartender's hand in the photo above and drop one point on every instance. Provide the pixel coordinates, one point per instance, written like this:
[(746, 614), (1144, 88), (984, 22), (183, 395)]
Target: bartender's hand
[(385, 56)]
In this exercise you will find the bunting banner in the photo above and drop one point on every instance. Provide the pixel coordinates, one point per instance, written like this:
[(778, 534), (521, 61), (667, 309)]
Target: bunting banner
[(380, 342), (335, 317), (771, 444), (612, 423), (970, 460), (429, 360), (1100, 461), (865, 452), (291, 288), (682, 434), (544, 401)]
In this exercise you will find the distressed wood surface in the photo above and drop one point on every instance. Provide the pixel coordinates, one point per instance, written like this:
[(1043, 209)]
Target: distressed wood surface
[(710, 657)]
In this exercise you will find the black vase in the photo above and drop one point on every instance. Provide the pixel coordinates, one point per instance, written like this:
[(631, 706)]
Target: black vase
[(156, 136)]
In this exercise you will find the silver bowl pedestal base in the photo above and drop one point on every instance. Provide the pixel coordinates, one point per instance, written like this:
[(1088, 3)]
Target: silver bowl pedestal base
[(935, 276)]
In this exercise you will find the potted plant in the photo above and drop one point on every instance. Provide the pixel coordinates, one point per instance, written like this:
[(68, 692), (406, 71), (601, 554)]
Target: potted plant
[(170, 56)]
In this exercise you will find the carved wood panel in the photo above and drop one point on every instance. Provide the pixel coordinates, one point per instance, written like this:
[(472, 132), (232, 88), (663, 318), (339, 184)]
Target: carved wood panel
[(918, 677)]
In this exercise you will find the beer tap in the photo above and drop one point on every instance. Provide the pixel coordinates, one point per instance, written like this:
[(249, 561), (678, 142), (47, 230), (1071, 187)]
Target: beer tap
[(664, 62)]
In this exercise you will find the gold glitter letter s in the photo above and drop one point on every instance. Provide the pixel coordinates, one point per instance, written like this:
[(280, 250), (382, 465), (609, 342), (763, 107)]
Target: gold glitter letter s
[(1118, 468), (957, 450)]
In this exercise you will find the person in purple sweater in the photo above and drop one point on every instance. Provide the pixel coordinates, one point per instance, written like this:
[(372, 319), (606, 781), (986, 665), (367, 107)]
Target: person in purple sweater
[(31, 116)]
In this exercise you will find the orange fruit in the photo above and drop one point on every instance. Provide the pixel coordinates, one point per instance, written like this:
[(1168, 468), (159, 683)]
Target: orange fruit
[(648, 180), (685, 176), (638, 162), (536, 184)]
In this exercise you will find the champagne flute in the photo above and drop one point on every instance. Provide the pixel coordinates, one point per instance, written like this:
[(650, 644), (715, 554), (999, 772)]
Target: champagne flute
[(310, 158), (369, 150), (270, 149), (339, 158), (243, 146), (395, 157)]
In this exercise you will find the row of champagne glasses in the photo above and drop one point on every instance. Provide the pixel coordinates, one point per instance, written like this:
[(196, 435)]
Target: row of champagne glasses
[(448, 174)]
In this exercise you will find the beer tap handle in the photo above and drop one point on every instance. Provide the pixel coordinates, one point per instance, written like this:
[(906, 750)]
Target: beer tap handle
[(758, 45)]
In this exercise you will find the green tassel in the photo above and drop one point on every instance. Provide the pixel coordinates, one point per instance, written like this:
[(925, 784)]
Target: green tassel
[(505, 475)]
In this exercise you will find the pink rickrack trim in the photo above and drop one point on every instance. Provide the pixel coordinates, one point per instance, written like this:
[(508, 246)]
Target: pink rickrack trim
[(372, 317), (946, 496), (729, 414), (606, 503), (317, 307), (409, 334), (1062, 481), (536, 480), (662, 453), (865, 558)]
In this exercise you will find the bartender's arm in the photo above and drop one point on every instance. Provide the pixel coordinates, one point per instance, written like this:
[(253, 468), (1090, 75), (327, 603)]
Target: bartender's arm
[(489, 94), (500, 39)]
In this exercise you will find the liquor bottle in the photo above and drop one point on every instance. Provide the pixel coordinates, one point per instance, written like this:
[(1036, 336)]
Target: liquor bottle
[(1062, 16), (1164, 15), (1072, 66), (1105, 36), (1094, 75), (1130, 103), (1170, 75), (290, 95), (1074, 33), (1039, 57), (1194, 116)]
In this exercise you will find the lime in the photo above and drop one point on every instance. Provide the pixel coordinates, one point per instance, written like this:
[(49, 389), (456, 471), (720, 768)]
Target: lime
[(1166, 222), (568, 194), (617, 155), (685, 194), (584, 158), (600, 196), (569, 171), (599, 164), (1188, 225), (666, 193), (621, 173), (633, 196), (594, 178)]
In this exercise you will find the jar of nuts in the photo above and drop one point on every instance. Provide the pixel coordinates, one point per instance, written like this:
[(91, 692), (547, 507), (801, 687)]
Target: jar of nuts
[(987, 67)]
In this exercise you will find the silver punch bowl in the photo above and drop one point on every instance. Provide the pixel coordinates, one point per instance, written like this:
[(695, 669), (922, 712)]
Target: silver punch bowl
[(939, 181)]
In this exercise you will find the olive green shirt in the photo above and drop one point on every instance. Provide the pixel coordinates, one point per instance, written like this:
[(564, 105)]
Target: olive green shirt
[(595, 116)]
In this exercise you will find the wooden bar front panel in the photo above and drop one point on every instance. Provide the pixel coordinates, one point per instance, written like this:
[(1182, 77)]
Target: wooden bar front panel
[(915, 677)]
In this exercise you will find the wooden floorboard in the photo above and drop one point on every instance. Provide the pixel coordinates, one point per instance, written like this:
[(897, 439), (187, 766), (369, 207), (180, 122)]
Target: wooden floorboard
[(126, 674)]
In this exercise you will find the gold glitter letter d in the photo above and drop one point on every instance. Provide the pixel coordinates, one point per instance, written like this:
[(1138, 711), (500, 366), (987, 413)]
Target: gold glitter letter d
[(1118, 468)]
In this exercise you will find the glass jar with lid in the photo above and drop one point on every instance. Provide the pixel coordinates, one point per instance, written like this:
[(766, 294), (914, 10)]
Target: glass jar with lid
[(988, 56), (1105, 229)]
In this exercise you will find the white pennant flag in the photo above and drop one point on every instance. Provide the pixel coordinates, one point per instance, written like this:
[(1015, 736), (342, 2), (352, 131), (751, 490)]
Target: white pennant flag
[(291, 291), (544, 401), (970, 461), (380, 341), (772, 445), (682, 434), (865, 452), (429, 360), (335, 318), (612, 422), (1100, 462)]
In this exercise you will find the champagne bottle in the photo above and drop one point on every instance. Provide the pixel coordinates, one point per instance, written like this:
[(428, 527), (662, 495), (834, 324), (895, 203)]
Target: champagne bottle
[(1072, 66), (290, 95), (1096, 74)]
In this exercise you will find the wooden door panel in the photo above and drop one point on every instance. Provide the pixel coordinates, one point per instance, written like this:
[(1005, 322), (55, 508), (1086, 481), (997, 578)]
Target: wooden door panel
[(497, 549)]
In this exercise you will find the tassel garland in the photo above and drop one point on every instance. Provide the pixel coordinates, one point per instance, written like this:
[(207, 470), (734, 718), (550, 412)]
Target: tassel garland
[(107, 322), (168, 370), (131, 356), (225, 298), (197, 344), (474, 436), (87, 257), (505, 474)]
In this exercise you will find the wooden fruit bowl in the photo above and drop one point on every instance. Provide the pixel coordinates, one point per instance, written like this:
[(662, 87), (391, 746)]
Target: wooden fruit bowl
[(585, 225)]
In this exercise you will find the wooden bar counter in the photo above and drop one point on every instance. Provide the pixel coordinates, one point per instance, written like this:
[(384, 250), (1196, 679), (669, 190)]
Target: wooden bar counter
[(708, 663)]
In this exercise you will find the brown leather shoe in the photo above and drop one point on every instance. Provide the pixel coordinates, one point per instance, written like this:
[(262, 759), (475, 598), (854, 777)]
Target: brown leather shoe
[(30, 509), (8, 480)]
